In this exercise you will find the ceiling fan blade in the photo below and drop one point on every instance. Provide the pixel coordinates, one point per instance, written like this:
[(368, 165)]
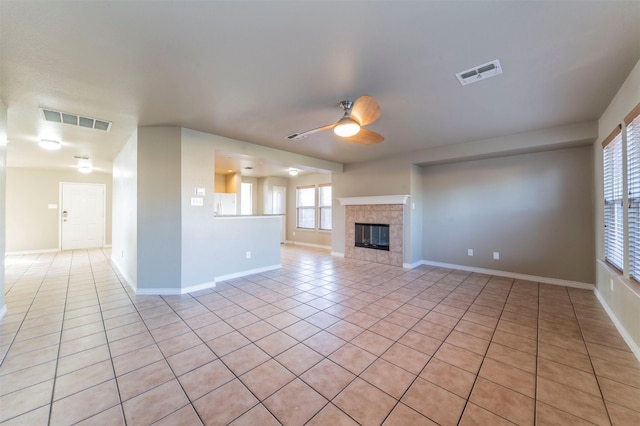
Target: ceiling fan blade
[(302, 135), (366, 137), (365, 110)]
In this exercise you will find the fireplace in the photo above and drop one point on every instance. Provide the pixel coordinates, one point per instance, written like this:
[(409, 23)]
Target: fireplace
[(375, 211), (372, 236)]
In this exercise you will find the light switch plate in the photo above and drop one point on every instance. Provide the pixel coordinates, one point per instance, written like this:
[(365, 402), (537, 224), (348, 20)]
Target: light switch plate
[(200, 191), (52, 206), (197, 201)]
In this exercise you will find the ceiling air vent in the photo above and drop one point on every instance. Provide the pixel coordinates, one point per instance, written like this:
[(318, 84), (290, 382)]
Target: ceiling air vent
[(75, 120), (479, 73)]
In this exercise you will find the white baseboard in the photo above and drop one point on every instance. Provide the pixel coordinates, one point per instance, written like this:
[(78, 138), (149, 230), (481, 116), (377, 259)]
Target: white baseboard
[(127, 279), (173, 291), (202, 286), (20, 253), (297, 243), (337, 254), (515, 275), (623, 331), (412, 265), (247, 272), (3, 311)]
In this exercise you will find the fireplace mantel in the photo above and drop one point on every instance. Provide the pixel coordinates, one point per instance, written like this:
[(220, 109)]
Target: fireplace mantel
[(377, 199)]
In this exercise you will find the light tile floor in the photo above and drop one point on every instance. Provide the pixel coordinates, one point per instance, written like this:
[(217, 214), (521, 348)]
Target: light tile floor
[(322, 341)]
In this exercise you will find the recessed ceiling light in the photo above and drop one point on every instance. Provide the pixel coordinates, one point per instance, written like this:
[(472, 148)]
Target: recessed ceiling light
[(49, 144), (84, 164), (293, 172)]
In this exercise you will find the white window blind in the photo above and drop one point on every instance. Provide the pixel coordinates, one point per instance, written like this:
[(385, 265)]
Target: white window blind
[(632, 122), (324, 204), (306, 207), (613, 196)]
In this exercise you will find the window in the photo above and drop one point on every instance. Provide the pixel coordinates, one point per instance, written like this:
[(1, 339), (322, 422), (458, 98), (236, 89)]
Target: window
[(613, 197), (632, 123), (246, 198), (324, 205), (306, 207)]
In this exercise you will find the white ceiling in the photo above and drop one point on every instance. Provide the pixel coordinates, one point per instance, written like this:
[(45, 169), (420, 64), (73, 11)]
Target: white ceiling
[(258, 71)]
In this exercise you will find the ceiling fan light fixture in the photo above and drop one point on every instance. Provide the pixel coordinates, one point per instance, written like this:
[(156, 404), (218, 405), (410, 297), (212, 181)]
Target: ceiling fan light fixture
[(50, 145), (346, 127), (293, 172)]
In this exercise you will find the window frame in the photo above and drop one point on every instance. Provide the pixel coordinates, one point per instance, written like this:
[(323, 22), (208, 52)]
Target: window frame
[(322, 207), (632, 134), (305, 208), (613, 194)]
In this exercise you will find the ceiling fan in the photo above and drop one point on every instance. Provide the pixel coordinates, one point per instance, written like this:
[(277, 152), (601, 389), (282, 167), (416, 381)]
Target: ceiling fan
[(365, 110)]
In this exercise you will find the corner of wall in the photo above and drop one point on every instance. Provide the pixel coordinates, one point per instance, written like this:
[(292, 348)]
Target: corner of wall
[(3, 175)]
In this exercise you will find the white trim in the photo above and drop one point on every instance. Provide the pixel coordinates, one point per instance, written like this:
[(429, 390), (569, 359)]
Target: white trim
[(412, 265), (623, 331), (337, 254), (3, 311), (198, 287), (247, 272), (297, 243), (19, 253), (515, 275), (131, 283), (203, 286), (174, 291), (378, 199)]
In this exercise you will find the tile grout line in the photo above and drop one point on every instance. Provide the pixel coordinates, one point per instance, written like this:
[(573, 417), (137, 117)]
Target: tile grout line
[(441, 343), (55, 373), (604, 402)]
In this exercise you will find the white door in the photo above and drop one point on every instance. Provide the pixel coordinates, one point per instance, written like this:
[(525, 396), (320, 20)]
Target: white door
[(82, 208), (278, 202)]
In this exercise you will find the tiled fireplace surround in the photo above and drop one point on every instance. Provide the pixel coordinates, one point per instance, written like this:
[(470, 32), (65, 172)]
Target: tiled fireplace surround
[(371, 210)]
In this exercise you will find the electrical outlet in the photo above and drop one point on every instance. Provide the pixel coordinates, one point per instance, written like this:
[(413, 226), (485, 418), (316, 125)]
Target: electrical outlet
[(496, 255), (611, 284), (248, 255), (469, 252), (294, 233)]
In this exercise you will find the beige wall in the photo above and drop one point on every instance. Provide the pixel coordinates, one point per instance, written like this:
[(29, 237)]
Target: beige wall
[(621, 295), (31, 226), (536, 210), (220, 183)]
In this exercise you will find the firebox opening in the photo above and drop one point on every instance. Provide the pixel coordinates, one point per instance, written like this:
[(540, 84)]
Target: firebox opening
[(372, 235)]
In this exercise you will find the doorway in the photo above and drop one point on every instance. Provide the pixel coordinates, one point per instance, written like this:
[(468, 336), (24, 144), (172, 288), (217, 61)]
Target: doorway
[(82, 221), (278, 204)]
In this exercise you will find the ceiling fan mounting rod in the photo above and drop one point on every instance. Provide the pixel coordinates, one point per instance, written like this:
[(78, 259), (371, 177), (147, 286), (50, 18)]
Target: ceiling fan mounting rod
[(346, 106)]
